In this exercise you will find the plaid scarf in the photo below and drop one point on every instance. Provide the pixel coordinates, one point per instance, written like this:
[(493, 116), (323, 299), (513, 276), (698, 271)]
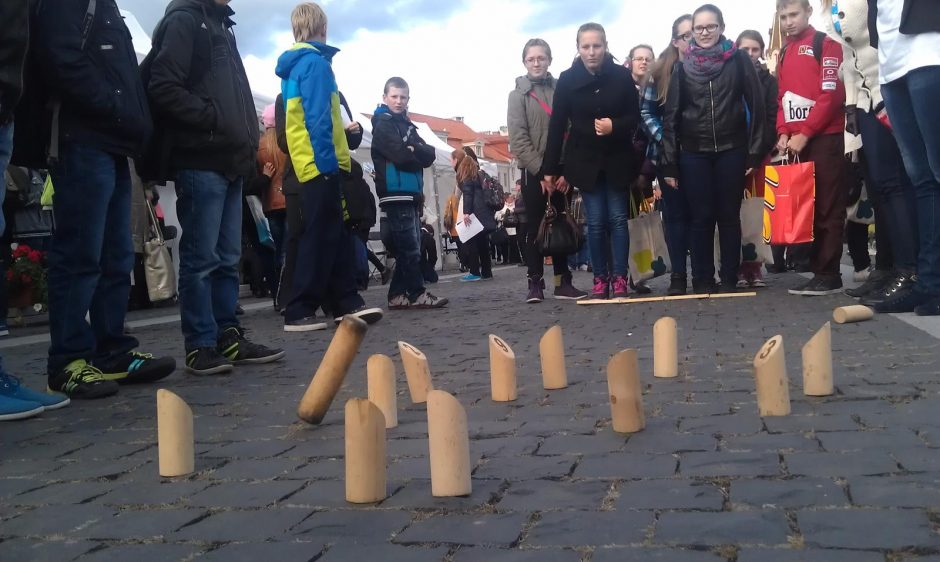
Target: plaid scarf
[(705, 64)]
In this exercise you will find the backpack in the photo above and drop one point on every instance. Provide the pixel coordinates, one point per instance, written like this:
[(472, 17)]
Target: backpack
[(492, 192), (358, 198), (818, 41)]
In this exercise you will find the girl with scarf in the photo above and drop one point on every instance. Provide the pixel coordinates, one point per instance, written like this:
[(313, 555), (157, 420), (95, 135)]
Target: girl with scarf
[(709, 142)]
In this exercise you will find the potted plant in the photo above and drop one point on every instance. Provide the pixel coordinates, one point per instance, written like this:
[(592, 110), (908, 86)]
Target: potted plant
[(27, 282)]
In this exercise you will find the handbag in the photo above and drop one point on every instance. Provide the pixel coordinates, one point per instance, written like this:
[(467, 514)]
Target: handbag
[(261, 222), (558, 234), (158, 264), (649, 255), (789, 203)]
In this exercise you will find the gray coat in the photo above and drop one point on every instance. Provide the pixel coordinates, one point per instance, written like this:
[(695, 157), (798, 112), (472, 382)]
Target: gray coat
[(528, 122)]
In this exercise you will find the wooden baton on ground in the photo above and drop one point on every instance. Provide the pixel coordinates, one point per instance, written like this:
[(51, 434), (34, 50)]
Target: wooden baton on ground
[(552, 355), (417, 372), (502, 370), (626, 394), (382, 390), (365, 452), (854, 313), (770, 374), (332, 370), (665, 348), (449, 444), (817, 363), (174, 435)]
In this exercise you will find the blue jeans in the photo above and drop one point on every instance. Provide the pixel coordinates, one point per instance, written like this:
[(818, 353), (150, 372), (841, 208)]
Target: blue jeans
[(583, 256), (402, 231), (324, 273), (911, 103), (606, 210), (677, 226), (891, 191), (713, 186), (209, 207), (91, 257)]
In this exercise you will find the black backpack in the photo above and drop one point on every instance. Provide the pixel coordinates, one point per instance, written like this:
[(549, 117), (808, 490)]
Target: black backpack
[(360, 203), (818, 41), (492, 192)]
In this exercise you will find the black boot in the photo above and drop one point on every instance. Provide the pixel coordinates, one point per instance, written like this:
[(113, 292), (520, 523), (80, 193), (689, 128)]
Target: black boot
[(678, 284)]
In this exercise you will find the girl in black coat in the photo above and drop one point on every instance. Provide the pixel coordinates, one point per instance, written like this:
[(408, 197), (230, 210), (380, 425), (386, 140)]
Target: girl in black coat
[(478, 247), (597, 105)]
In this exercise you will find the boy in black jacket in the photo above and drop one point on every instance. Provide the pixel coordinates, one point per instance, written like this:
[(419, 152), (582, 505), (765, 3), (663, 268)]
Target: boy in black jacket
[(400, 156)]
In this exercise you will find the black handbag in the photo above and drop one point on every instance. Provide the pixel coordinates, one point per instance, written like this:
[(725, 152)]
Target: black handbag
[(559, 234)]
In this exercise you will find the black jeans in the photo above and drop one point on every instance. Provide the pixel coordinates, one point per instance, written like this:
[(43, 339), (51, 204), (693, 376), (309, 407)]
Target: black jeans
[(535, 203), (478, 255), (295, 227), (677, 226), (856, 238)]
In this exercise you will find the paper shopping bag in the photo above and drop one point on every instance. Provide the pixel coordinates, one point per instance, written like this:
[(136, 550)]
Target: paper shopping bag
[(649, 256), (789, 203), (753, 246)]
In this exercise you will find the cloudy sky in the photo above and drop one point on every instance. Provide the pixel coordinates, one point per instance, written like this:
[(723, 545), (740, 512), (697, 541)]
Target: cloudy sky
[(460, 58)]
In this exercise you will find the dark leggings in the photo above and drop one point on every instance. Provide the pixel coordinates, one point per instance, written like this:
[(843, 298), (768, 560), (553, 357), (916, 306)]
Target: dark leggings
[(535, 203), (478, 255)]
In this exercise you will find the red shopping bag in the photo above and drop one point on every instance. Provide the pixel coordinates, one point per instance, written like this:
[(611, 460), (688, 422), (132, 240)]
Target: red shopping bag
[(789, 203)]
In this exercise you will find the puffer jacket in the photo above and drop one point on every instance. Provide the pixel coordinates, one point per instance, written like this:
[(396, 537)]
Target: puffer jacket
[(528, 121), (711, 116), (400, 156)]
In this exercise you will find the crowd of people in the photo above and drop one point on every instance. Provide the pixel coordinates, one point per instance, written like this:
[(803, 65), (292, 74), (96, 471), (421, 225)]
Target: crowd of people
[(691, 129)]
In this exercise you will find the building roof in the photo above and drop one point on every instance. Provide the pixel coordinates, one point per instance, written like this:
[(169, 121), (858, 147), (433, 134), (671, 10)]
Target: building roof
[(459, 134)]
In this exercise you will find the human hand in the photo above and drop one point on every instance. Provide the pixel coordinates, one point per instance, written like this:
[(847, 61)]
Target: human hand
[(797, 143), (354, 128), (603, 127), (851, 120), (562, 185), (657, 193), (782, 143), (672, 182), (883, 118), (548, 185), (268, 169), (467, 221)]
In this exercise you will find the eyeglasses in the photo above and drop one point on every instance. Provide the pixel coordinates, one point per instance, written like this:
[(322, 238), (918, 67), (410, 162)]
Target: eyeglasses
[(641, 59), (710, 28), (533, 60), (684, 37)]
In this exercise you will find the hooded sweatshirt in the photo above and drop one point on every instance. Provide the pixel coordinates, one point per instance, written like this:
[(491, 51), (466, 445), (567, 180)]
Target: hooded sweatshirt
[(400, 156), (314, 127), (811, 96)]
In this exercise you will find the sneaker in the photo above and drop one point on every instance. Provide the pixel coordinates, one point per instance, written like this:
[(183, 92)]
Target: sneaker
[(619, 287), (82, 381), (929, 308), (822, 285), (567, 291), (236, 348), (863, 275), (640, 288), (758, 283), (800, 288), (726, 287), (11, 388), (368, 315), (536, 290), (137, 367), (398, 302), (4, 330), (877, 282), (470, 277), (905, 299), (601, 288), (743, 284), (678, 284), (207, 361), (306, 324), (427, 300), (487, 277), (704, 286), (14, 409), (900, 284)]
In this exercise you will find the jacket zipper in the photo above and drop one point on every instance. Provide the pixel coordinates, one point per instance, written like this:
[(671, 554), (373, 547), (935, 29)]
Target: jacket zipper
[(229, 37), (711, 97)]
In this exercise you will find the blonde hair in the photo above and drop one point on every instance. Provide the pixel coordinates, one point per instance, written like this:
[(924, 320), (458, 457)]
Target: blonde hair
[(308, 21), (781, 4)]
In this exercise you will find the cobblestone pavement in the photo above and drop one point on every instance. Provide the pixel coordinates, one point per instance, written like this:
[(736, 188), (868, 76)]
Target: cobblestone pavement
[(855, 476)]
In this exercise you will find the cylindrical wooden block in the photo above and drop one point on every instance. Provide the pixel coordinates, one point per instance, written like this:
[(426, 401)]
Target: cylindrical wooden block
[(332, 370), (449, 444), (552, 352), (416, 371), (770, 373), (665, 348), (174, 435), (626, 393), (365, 452), (817, 363), (854, 313), (382, 391), (502, 370)]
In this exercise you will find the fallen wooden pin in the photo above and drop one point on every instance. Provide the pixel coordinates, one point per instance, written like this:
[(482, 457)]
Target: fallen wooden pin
[(416, 371), (365, 452), (817, 363), (854, 313), (665, 348), (502, 370), (332, 370), (665, 299), (770, 374), (552, 355), (175, 443), (382, 391), (449, 445), (626, 394)]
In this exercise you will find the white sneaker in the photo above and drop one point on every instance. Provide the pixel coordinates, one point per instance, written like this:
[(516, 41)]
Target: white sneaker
[(427, 300), (399, 302), (367, 315), (308, 324)]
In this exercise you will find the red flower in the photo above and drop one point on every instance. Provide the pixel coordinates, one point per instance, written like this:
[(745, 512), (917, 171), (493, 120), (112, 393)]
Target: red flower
[(20, 251), (35, 256)]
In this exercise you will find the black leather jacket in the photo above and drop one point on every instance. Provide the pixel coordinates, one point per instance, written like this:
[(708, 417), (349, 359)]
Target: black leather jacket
[(713, 116)]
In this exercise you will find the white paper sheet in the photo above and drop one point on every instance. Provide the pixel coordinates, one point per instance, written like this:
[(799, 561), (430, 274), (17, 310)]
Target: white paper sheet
[(467, 231)]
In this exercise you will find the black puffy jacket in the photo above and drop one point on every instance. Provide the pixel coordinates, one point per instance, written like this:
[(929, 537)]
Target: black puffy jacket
[(712, 116), (199, 91)]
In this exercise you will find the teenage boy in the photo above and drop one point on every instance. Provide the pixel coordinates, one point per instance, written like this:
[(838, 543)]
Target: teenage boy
[(400, 156), (810, 124), (325, 276)]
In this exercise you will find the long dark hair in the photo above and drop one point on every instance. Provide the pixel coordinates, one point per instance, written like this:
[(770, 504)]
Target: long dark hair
[(662, 71)]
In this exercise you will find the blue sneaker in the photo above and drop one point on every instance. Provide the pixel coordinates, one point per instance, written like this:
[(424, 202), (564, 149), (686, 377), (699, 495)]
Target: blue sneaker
[(10, 387), (13, 409), (470, 277)]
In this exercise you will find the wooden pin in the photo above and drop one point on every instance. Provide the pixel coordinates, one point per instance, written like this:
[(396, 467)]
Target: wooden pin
[(449, 444), (626, 394), (854, 313), (174, 435), (817, 363), (665, 348), (502, 370), (382, 390), (416, 371), (332, 370), (770, 373), (365, 452), (552, 353)]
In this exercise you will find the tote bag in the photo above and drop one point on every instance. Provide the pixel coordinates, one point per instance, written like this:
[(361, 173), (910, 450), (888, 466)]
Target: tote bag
[(789, 203), (649, 256)]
